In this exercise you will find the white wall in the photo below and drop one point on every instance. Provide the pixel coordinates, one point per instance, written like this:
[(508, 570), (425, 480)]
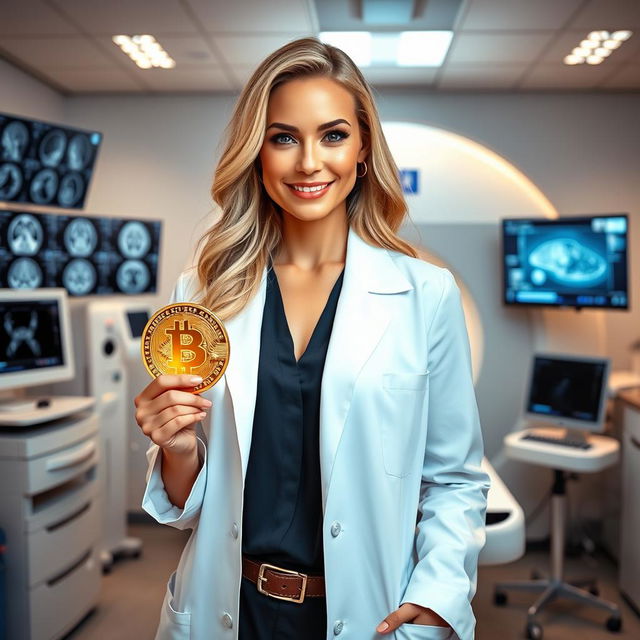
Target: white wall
[(20, 94)]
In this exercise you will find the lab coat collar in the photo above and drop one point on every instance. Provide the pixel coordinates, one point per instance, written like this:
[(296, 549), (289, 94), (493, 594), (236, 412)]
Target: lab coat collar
[(361, 318)]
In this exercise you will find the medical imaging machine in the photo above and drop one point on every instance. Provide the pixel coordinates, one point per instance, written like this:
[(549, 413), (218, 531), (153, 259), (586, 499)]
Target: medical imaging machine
[(50, 495)]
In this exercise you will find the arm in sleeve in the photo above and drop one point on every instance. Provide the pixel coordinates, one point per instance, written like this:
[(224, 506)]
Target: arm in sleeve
[(453, 495), (155, 500)]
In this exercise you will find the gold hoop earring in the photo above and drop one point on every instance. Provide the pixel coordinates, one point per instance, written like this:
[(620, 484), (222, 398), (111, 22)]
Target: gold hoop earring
[(365, 169)]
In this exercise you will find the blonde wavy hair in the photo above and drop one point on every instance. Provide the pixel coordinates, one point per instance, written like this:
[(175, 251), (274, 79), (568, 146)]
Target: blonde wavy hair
[(239, 245)]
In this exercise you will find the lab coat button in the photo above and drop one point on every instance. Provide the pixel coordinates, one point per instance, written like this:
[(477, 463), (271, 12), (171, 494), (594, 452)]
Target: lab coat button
[(335, 529), (234, 530), (337, 628), (227, 620)]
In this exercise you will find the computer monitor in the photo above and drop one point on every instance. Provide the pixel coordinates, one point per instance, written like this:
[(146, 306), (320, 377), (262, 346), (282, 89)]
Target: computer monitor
[(35, 343), (568, 391), (137, 321), (570, 262)]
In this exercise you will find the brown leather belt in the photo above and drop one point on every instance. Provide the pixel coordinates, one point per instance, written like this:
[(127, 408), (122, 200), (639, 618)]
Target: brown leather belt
[(282, 584)]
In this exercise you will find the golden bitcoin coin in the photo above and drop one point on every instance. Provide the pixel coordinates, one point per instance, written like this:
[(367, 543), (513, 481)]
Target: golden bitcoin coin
[(186, 338)]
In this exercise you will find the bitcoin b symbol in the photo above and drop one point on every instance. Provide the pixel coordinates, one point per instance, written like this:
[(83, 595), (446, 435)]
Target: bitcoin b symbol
[(187, 353)]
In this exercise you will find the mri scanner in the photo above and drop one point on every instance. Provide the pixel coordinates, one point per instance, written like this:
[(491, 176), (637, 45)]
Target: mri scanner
[(459, 192)]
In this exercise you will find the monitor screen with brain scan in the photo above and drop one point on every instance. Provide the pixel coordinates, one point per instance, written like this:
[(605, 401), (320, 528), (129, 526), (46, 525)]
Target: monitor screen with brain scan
[(87, 255), (35, 343), (576, 262), (45, 164)]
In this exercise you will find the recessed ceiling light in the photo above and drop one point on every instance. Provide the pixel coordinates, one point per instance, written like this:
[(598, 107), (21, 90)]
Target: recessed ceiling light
[(597, 46), (145, 51), (356, 44), (594, 59)]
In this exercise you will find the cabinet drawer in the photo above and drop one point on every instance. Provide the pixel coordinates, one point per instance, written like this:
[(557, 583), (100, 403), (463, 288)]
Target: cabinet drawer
[(57, 606), (55, 546)]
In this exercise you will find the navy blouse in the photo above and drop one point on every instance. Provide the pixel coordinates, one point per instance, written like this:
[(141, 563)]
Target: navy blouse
[(282, 512)]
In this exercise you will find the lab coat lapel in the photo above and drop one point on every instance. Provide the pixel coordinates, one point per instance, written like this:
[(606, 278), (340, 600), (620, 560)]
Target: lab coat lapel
[(362, 315)]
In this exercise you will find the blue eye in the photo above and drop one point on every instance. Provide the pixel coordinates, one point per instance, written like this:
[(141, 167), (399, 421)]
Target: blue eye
[(343, 135)]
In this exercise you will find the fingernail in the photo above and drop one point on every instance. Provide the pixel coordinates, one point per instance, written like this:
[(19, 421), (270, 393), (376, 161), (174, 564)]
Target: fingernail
[(383, 626), (202, 415), (206, 403), (195, 380)]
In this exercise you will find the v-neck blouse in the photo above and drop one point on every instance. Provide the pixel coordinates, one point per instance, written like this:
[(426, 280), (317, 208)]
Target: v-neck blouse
[(282, 511)]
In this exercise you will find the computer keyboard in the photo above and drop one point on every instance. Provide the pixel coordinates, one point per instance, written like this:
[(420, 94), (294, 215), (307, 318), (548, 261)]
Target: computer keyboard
[(565, 442)]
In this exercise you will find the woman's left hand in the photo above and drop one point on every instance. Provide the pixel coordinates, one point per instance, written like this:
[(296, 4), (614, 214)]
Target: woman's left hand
[(413, 613)]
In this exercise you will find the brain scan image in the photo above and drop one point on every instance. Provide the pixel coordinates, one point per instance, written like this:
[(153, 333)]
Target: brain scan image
[(21, 336), (132, 276), (79, 152), (71, 189), (24, 235), (24, 273), (569, 262), (80, 238), (15, 139), (52, 148), (134, 240), (79, 277), (10, 181), (44, 186)]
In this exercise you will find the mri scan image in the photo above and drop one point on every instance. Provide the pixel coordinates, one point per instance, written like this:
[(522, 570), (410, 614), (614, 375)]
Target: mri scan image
[(45, 163), (10, 181), (44, 186), (132, 276), (71, 189), (84, 254), (133, 240), (21, 336), (80, 238), (24, 236), (15, 139), (568, 262), (24, 273), (80, 152), (79, 277), (52, 148)]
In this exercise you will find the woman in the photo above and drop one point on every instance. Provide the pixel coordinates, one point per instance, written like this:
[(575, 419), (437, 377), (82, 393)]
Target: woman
[(347, 412)]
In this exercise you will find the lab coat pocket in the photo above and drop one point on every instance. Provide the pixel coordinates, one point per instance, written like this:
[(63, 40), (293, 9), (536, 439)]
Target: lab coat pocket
[(403, 406), (408, 631), (174, 624)]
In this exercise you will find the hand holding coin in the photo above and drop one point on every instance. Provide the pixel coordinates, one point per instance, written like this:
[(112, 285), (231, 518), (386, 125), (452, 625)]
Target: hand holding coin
[(186, 338)]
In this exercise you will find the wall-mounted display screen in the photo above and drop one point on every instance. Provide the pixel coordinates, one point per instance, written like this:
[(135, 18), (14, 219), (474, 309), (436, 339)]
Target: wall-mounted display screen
[(44, 163), (85, 255), (578, 262)]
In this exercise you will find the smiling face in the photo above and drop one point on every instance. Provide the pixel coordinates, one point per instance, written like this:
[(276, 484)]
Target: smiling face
[(312, 138)]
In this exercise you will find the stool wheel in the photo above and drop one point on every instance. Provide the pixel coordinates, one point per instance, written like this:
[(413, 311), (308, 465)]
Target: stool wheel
[(500, 598), (533, 631), (614, 623)]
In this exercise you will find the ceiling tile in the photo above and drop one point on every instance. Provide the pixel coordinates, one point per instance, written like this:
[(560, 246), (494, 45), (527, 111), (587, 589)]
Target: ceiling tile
[(481, 76), (548, 75), (497, 47), (400, 76), (185, 78), (94, 80), (568, 40), (626, 77), (128, 16), (496, 15), (608, 14), (221, 16), (22, 18), (64, 51), (250, 49)]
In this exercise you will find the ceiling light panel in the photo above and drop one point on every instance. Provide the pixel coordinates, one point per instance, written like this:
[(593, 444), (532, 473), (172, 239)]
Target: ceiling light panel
[(145, 51), (597, 47)]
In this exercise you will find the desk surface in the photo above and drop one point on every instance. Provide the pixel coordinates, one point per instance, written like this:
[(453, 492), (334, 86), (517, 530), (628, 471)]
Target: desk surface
[(631, 397)]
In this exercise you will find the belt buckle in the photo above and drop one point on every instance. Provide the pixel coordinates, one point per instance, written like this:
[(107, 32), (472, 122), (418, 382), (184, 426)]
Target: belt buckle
[(261, 579)]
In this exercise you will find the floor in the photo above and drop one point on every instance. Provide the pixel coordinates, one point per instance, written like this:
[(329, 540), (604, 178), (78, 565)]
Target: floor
[(132, 594)]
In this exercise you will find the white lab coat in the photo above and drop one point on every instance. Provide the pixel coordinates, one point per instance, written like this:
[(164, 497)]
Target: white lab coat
[(400, 441)]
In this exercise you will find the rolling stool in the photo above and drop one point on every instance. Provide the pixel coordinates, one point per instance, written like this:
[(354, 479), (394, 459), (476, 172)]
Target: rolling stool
[(600, 453)]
